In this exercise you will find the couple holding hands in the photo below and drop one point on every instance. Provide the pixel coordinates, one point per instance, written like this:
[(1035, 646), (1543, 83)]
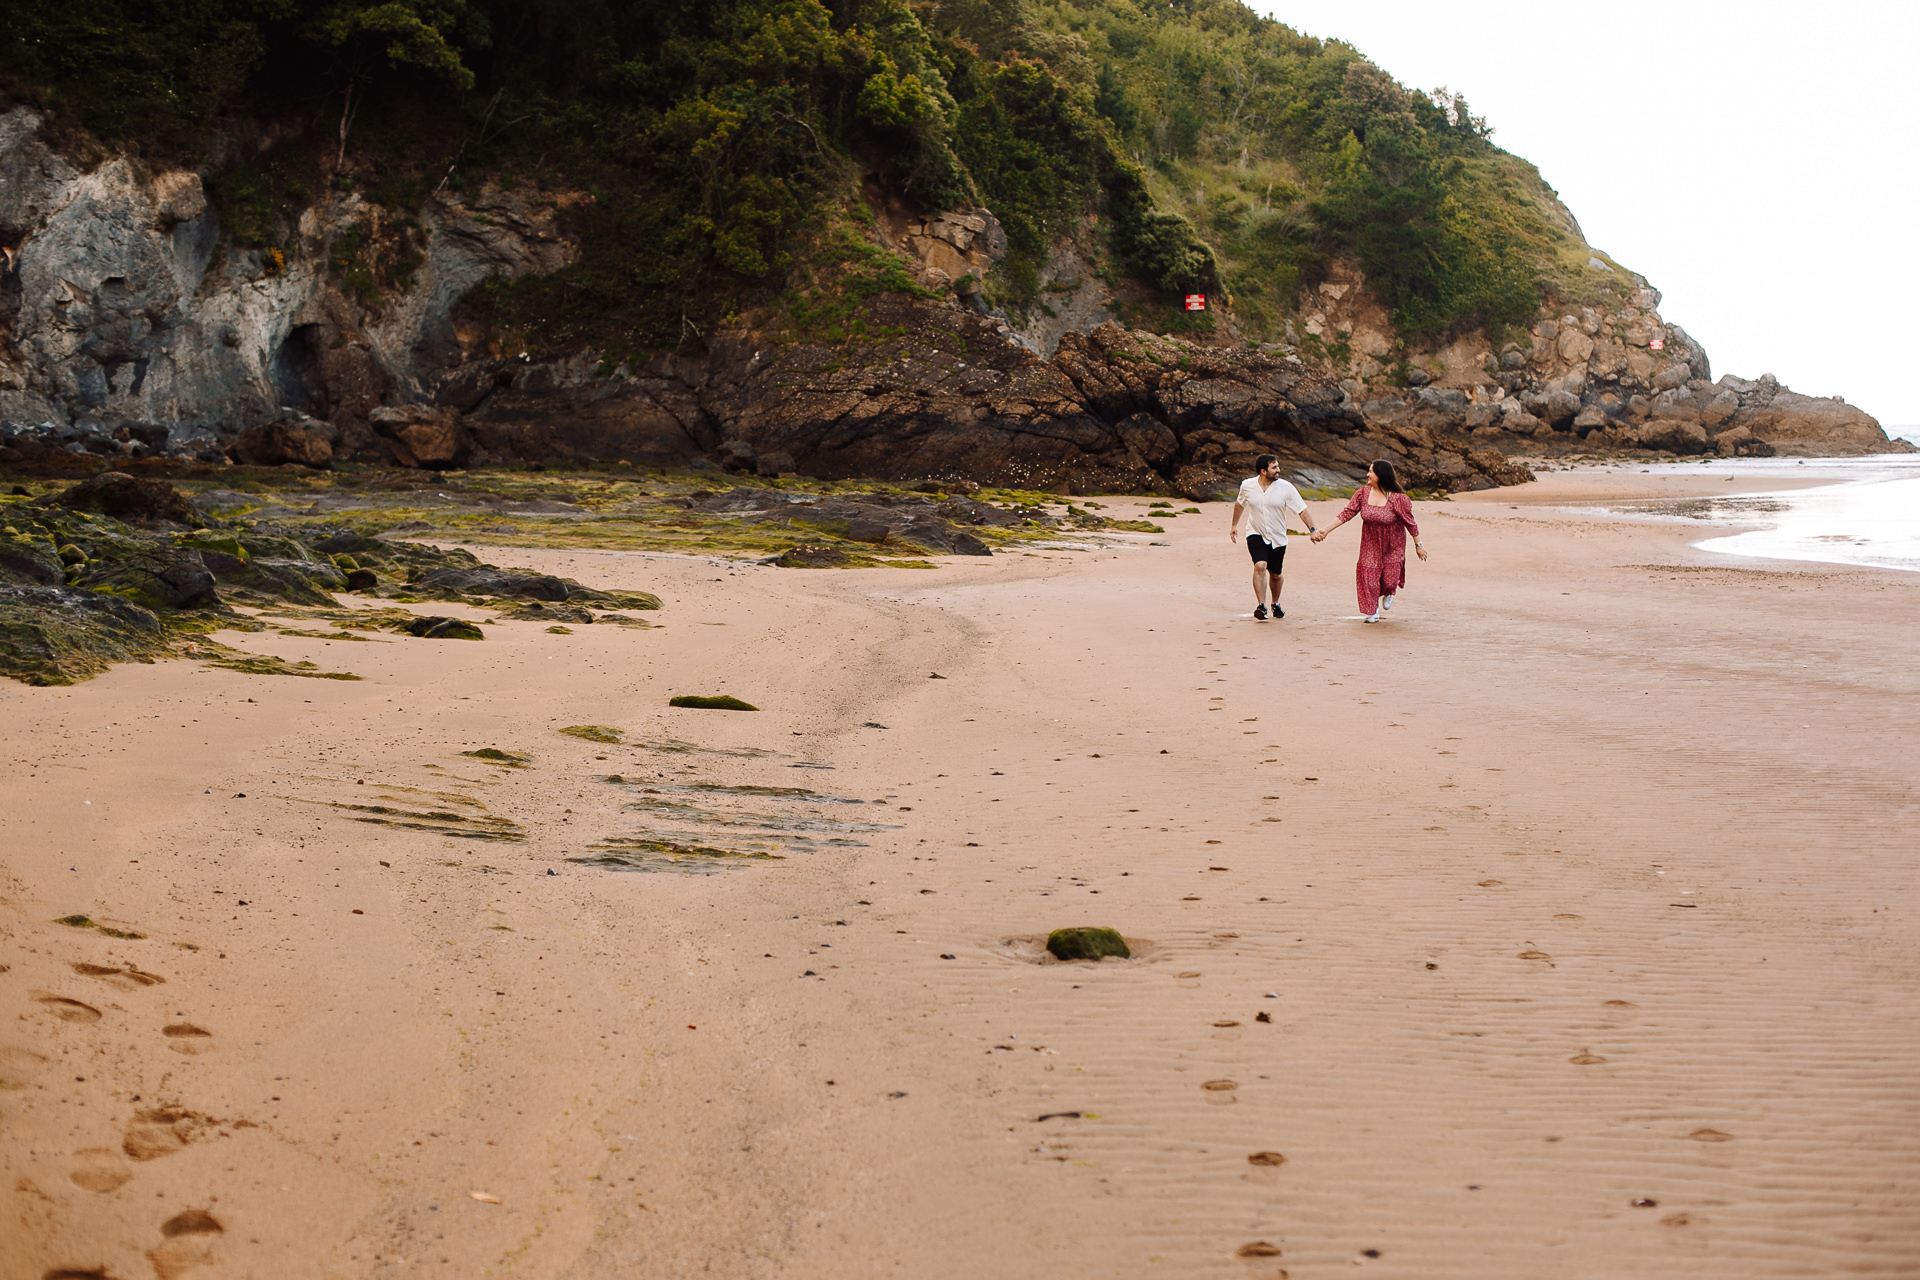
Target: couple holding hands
[(1386, 518)]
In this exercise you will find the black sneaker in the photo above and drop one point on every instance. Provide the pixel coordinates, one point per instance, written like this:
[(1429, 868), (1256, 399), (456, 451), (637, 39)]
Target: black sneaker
[(1278, 613), (1259, 613)]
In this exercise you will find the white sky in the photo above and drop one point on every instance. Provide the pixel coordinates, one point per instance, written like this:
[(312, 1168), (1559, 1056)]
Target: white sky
[(1757, 162)]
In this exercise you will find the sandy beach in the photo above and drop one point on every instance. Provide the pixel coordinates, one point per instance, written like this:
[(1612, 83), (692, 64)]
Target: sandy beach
[(1563, 925)]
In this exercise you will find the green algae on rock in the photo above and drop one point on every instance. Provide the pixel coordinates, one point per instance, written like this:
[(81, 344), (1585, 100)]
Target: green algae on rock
[(724, 702), (258, 664), (595, 732), (500, 759), (1085, 942), (87, 922)]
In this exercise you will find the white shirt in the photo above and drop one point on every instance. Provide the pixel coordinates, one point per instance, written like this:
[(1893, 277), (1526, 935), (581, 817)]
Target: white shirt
[(1267, 509)]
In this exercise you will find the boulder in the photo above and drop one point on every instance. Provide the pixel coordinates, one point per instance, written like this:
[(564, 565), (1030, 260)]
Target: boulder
[(739, 456), (1574, 346), (1589, 418), (157, 577), (1676, 435), (1719, 408), (1085, 942), (116, 494), (422, 436), (442, 628), (777, 463), (1671, 376), (491, 582), (1561, 409), (279, 443), (1814, 426), (1729, 441)]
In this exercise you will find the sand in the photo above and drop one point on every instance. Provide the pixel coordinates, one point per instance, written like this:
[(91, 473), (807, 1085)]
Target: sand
[(1563, 925)]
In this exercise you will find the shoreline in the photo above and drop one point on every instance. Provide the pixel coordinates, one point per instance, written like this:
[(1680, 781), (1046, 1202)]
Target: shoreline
[(1573, 886)]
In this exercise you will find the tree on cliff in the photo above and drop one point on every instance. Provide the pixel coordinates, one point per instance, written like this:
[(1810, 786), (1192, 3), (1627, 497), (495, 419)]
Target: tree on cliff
[(362, 37)]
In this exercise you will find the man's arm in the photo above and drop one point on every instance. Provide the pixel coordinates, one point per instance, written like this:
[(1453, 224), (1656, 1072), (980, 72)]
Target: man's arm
[(1306, 518), (1233, 529)]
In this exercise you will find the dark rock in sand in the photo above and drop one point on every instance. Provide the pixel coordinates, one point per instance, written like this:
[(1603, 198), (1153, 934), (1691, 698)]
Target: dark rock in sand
[(725, 702), (810, 557), (487, 581), (434, 627), (1087, 942), (62, 635), (362, 580)]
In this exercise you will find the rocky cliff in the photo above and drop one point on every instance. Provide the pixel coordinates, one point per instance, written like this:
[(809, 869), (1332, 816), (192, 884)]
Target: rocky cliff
[(131, 325)]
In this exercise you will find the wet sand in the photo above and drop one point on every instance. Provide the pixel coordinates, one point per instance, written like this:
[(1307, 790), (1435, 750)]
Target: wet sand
[(1563, 925)]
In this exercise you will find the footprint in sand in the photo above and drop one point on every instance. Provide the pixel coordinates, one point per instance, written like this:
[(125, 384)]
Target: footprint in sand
[(161, 1131), (99, 1169), (1267, 1159), (69, 1010), (1189, 978), (1261, 1258), (1585, 1059), (184, 1037), (187, 1242), (1710, 1135), (1219, 1092), (127, 977), (1226, 1029)]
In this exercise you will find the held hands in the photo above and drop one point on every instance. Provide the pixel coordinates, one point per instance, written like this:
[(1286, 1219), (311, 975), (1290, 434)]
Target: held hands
[(1420, 551), (1319, 535)]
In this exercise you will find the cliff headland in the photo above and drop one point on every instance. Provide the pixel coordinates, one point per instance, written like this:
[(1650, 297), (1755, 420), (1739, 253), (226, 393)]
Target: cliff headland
[(1083, 248)]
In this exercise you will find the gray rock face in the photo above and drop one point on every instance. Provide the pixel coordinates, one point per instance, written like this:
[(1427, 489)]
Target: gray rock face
[(121, 312)]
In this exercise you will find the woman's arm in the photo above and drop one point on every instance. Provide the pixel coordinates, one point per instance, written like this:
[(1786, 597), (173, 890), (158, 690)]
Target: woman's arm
[(1403, 507)]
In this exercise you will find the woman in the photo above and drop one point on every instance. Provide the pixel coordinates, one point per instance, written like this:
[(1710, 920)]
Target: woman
[(1386, 517)]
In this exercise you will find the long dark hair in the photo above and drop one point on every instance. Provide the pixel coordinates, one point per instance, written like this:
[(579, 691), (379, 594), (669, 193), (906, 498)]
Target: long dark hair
[(1383, 472)]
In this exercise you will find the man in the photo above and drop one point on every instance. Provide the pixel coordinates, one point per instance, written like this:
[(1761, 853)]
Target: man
[(1267, 500)]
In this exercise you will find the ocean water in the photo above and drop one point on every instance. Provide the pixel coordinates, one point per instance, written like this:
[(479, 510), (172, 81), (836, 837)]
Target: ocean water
[(1868, 512)]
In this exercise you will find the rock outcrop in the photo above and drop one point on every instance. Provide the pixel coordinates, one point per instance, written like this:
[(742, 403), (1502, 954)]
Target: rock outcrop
[(1613, 375), (949, 399)]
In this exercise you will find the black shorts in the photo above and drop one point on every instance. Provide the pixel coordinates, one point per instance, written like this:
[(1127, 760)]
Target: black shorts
[(1272, 557)]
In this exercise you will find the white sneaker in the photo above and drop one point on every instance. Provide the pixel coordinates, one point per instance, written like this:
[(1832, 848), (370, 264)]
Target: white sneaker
[(1372, 617), (1386, 602)]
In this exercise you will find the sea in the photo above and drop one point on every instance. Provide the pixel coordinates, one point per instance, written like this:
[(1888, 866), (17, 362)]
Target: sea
[(1865, 511)]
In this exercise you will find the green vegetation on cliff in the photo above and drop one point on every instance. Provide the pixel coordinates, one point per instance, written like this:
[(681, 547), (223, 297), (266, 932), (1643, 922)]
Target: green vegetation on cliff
[(723, 147)]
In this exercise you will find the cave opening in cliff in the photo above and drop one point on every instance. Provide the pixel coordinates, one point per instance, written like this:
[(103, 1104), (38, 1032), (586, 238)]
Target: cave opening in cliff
[(296, 371)]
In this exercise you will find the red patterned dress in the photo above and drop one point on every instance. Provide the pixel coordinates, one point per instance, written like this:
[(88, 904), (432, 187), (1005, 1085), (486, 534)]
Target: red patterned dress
[(1383, 546)]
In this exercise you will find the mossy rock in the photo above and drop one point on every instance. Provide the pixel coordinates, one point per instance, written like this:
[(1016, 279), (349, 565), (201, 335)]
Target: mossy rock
[(595, 732), (58, 636), (1087, 942), (807, 556), (504, 759), (433, 627), (725, 702)]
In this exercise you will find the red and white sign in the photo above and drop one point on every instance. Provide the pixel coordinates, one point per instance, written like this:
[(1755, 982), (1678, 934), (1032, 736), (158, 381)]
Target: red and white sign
[(1196, 302), (1658, 344)]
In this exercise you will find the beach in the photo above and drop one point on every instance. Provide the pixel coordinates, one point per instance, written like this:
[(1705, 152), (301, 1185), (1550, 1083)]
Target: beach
[(1563, 924)]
